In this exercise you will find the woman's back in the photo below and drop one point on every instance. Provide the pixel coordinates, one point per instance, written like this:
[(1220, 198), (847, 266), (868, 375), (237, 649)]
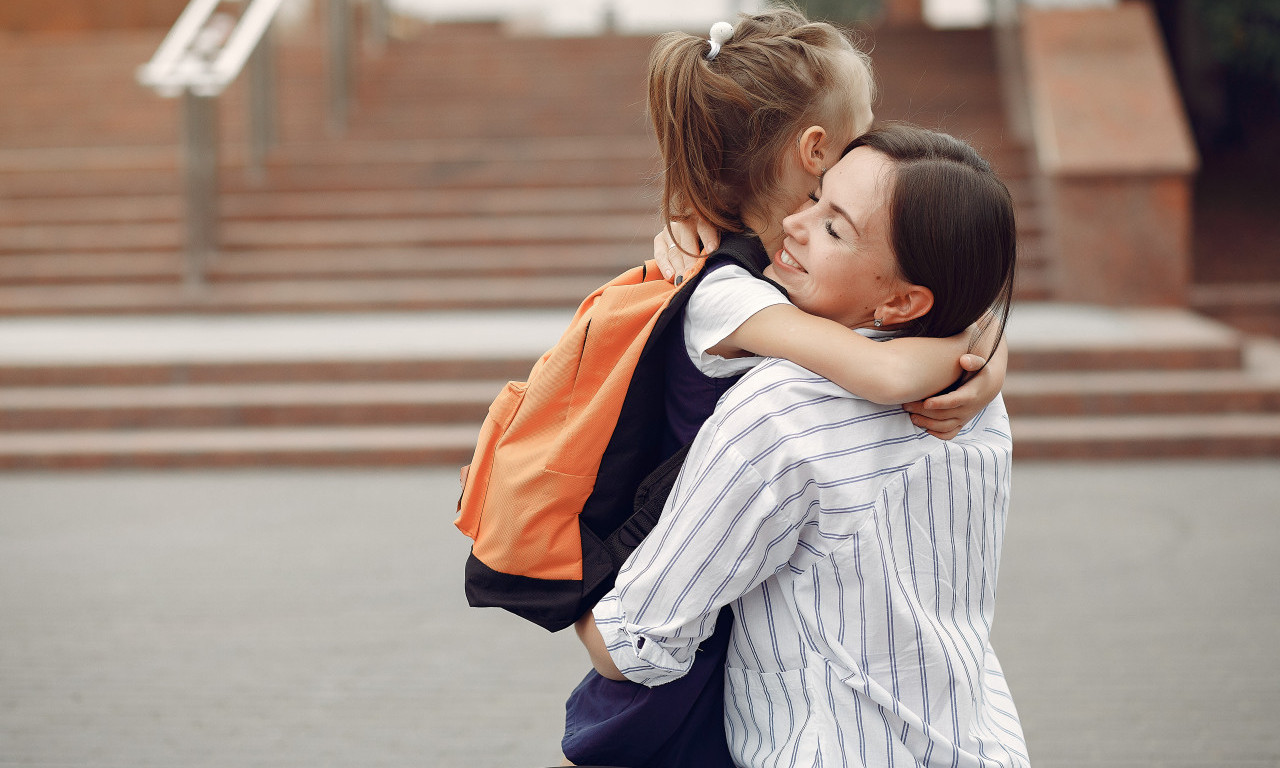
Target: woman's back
[(884, 554)]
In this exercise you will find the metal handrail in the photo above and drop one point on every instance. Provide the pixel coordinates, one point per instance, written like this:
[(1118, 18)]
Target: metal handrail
[(198, 55), (203, 53)]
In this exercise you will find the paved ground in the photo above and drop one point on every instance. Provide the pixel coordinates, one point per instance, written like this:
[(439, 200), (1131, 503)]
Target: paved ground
[(315, 619)]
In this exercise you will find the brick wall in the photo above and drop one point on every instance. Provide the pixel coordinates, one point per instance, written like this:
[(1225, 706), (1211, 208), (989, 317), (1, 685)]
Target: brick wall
[(81, 15)]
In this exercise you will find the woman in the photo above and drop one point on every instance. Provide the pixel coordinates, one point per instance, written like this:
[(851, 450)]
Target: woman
[(858, 554), (747, 122)]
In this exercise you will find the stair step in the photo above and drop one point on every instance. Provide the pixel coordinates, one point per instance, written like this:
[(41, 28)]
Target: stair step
[(546, 228), (1147, 437), (328, 233), (443, 445), (229, 349), (1115, 437), (1064, 337), (373, 295), (186, 406), (245, 373), (603, 260), (377, 204), (1251, 307), (463, 174), (1253, 389)]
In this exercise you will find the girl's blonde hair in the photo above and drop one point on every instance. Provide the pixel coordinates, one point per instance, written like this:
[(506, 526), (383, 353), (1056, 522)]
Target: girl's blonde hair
[(723, 125)]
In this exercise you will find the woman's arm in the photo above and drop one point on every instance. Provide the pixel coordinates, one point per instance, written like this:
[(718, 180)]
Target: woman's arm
[(885, 372), (722, 533)]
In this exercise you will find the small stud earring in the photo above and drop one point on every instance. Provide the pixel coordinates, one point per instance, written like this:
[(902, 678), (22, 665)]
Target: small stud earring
[(877, 323)]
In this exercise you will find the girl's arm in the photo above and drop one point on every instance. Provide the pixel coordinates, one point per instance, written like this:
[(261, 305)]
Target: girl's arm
[(885, 372), (682, 244), (591, 638), (944, 415)]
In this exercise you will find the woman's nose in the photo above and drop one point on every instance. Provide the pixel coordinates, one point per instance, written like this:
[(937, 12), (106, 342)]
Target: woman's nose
[(793, 226)]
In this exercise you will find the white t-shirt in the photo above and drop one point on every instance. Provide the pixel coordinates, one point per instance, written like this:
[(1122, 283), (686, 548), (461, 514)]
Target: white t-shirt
[(720, 303)]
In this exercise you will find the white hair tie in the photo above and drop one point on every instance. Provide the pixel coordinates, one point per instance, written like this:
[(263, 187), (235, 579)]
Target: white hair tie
[(721, 32)]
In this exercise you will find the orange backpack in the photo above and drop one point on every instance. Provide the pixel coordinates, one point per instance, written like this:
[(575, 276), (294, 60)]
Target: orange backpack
[(550, 496)]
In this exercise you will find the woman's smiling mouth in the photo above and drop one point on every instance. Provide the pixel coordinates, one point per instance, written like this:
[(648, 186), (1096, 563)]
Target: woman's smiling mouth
[(785, 259)]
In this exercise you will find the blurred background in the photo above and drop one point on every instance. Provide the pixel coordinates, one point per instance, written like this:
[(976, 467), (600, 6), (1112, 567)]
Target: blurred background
[(264, 264)]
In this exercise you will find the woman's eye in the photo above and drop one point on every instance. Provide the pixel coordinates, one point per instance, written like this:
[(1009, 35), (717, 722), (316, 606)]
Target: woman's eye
[(831, 230), (813, 197)]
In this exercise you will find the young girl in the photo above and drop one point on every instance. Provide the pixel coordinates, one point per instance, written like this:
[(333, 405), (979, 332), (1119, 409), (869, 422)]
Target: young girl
[(747, 123)]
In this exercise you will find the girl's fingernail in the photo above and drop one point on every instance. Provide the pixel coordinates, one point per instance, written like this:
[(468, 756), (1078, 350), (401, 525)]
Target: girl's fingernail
[(679, 279)]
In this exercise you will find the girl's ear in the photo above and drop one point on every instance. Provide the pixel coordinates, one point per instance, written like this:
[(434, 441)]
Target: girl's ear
[(814, 151), (907, 303)]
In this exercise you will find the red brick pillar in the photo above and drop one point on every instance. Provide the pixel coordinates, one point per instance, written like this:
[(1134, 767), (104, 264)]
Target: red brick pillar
[(1115, 152), (904, 13)]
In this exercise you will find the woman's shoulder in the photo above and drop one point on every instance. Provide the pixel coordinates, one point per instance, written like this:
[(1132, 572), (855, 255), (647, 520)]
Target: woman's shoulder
[(777, 385)]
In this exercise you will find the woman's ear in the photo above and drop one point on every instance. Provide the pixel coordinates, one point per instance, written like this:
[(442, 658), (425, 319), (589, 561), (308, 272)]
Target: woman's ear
[(814, 153), (908, 303)]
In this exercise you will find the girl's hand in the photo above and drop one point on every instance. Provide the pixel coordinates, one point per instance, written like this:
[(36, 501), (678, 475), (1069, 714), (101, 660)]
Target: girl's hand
[(678, 247), (591, 638), (944, 416)]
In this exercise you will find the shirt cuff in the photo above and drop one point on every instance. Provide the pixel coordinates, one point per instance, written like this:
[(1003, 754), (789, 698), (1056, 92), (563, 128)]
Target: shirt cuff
[(642, 659)]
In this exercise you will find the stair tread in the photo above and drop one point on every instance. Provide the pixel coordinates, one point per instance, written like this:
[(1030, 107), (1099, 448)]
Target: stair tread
[(434, 293), (309, 204), (244, 439), (1136, 427), (601, 259), (219, 395)]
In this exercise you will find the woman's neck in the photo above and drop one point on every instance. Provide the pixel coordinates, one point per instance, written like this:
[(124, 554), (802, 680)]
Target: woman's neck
[(767, 225)]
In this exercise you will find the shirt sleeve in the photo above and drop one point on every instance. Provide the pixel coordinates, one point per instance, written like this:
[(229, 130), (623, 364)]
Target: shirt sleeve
[(721, 534), (721, 302)]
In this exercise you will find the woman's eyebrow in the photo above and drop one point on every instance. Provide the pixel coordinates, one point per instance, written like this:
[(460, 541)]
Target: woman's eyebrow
[(845, 214)]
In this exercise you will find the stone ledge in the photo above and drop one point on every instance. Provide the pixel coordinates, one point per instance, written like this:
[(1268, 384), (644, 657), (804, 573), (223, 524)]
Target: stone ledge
[(1115, 153), (1103, 97)]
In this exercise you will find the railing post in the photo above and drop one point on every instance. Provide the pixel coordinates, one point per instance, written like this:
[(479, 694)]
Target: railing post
[(378, 28), (200, 163), (339, 13), (262, 100)]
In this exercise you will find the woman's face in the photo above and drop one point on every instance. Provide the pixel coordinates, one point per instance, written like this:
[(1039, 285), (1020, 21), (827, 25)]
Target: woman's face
[(835, 260)]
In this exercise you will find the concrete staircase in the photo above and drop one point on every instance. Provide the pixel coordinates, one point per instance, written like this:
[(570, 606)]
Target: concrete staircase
[(452, 187), (467, 178), (339, 323), (389, 388)]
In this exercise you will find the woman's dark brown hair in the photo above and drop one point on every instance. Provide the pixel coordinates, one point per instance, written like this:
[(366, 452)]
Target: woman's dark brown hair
[(722, 125), (951, 227)]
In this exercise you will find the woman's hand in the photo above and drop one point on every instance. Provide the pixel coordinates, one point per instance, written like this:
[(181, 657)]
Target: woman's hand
[(944, 416), (678, 247)]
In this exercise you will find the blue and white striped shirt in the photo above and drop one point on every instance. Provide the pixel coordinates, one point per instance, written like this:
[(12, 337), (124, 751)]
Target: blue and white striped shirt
[(860, 557)]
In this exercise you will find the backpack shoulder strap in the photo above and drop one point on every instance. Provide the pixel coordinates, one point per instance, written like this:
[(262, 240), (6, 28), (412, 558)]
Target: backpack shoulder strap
[(652, 491), (747, 252)]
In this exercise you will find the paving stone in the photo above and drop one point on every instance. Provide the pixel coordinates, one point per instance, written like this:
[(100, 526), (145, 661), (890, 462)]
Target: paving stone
[(301, 618)]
